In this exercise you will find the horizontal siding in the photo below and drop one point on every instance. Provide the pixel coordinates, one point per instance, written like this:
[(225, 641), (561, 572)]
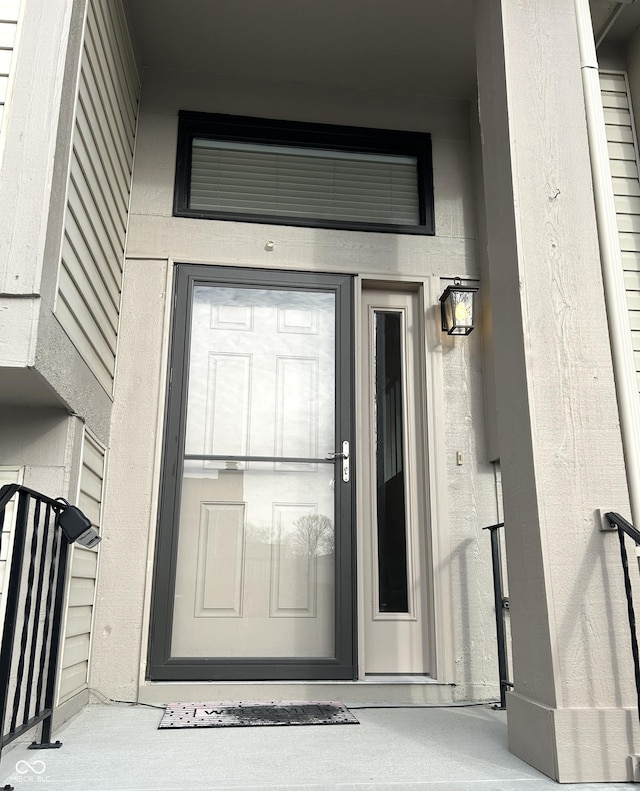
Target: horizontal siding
[(631, 267), (82, 584), (76, 650), (81, 591), (79, 621), (633, 300), (90, 277), (628, 204), (85, 563), (9, 15), (626, 187), (73, 680)]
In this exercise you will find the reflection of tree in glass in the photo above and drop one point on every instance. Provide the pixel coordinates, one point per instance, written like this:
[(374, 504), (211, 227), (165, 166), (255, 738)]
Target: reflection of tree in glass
[(258, 533), (313, 535)]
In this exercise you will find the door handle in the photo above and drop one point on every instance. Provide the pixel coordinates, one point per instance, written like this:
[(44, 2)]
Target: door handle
[(344, 455)]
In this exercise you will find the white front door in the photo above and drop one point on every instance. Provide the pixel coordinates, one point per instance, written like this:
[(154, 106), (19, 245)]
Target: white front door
[(395, 577)]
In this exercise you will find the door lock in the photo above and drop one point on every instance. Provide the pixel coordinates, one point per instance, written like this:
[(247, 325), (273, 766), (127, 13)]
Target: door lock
[(344, 455)]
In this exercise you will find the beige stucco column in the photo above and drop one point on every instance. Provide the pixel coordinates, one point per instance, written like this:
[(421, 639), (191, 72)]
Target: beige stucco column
[(571, 713)]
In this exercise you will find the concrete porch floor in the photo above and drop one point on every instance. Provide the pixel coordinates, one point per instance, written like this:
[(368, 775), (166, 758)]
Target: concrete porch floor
[(117, 747)]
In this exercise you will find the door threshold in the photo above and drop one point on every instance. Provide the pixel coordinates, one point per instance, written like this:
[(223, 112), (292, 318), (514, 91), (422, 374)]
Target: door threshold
[(397, 678), (393, 690), (371, 678)]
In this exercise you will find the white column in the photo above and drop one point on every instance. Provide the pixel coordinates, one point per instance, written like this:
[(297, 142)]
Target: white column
[(571, 713)]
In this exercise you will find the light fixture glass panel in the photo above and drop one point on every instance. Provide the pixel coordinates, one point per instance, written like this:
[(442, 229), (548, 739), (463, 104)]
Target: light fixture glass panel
[(462, 308), (457, 306)]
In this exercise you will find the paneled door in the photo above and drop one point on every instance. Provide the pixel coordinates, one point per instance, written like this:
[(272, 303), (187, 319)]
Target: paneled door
[(253, 576)]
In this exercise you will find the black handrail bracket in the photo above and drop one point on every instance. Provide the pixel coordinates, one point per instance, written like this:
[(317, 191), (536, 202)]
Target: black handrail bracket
[(606, 525)]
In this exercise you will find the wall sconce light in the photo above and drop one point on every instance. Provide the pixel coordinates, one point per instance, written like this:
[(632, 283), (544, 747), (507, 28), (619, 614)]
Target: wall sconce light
[(76, 526), (457, 305)]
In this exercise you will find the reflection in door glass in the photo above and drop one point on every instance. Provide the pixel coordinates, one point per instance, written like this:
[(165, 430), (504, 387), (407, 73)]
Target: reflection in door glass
[(255, 571), (390, 467), (256, 562), (261, 373)]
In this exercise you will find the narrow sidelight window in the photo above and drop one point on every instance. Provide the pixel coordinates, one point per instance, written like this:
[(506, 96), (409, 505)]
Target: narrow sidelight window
[(390, 466)]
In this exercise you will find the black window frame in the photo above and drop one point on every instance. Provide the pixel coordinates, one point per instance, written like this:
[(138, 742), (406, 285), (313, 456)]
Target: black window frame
[(246, 129)]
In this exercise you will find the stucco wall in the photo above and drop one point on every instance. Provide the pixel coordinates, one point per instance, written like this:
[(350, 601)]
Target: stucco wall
[(465, 493)]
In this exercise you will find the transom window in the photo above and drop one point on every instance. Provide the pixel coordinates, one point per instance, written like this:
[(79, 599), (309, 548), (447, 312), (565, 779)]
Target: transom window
[(238, 168)]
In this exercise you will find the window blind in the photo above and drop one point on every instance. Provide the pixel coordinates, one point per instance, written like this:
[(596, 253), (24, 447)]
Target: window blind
[(297, 182)]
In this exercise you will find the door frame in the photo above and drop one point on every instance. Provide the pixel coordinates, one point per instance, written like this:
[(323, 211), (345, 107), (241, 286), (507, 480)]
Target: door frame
[(415, 624), (162, 666), (434, 346)]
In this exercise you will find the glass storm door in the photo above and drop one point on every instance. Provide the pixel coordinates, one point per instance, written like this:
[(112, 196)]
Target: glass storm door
[(254, 555), (395, 576)]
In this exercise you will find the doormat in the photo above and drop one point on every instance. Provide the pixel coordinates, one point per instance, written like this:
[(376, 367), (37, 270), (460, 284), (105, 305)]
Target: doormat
[(249, 714)]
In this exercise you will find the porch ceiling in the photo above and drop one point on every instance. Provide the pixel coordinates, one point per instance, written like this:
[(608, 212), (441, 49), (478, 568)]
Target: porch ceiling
[(424, 46)]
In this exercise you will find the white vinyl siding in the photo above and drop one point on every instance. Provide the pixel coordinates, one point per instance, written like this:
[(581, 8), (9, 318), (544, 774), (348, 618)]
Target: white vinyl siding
[(82, 582), (90, 276), (286, 181), (623, 157), (9, 12)]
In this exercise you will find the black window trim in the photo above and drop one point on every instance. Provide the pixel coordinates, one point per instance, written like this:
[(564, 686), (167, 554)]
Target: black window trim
[(246, 129)]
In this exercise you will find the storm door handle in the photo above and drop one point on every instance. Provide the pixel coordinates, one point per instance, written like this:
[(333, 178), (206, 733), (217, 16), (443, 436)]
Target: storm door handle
[(344, 455)]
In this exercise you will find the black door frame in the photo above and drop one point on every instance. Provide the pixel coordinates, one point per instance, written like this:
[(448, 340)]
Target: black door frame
[(162, 666)]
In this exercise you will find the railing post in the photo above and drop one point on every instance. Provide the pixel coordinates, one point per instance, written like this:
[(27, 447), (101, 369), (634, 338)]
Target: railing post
[(499, 601), (54, 646), (11, 610)]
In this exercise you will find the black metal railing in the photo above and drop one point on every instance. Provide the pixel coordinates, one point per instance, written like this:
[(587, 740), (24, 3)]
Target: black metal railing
[(33, 596), (501, 604), (623, 526)]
